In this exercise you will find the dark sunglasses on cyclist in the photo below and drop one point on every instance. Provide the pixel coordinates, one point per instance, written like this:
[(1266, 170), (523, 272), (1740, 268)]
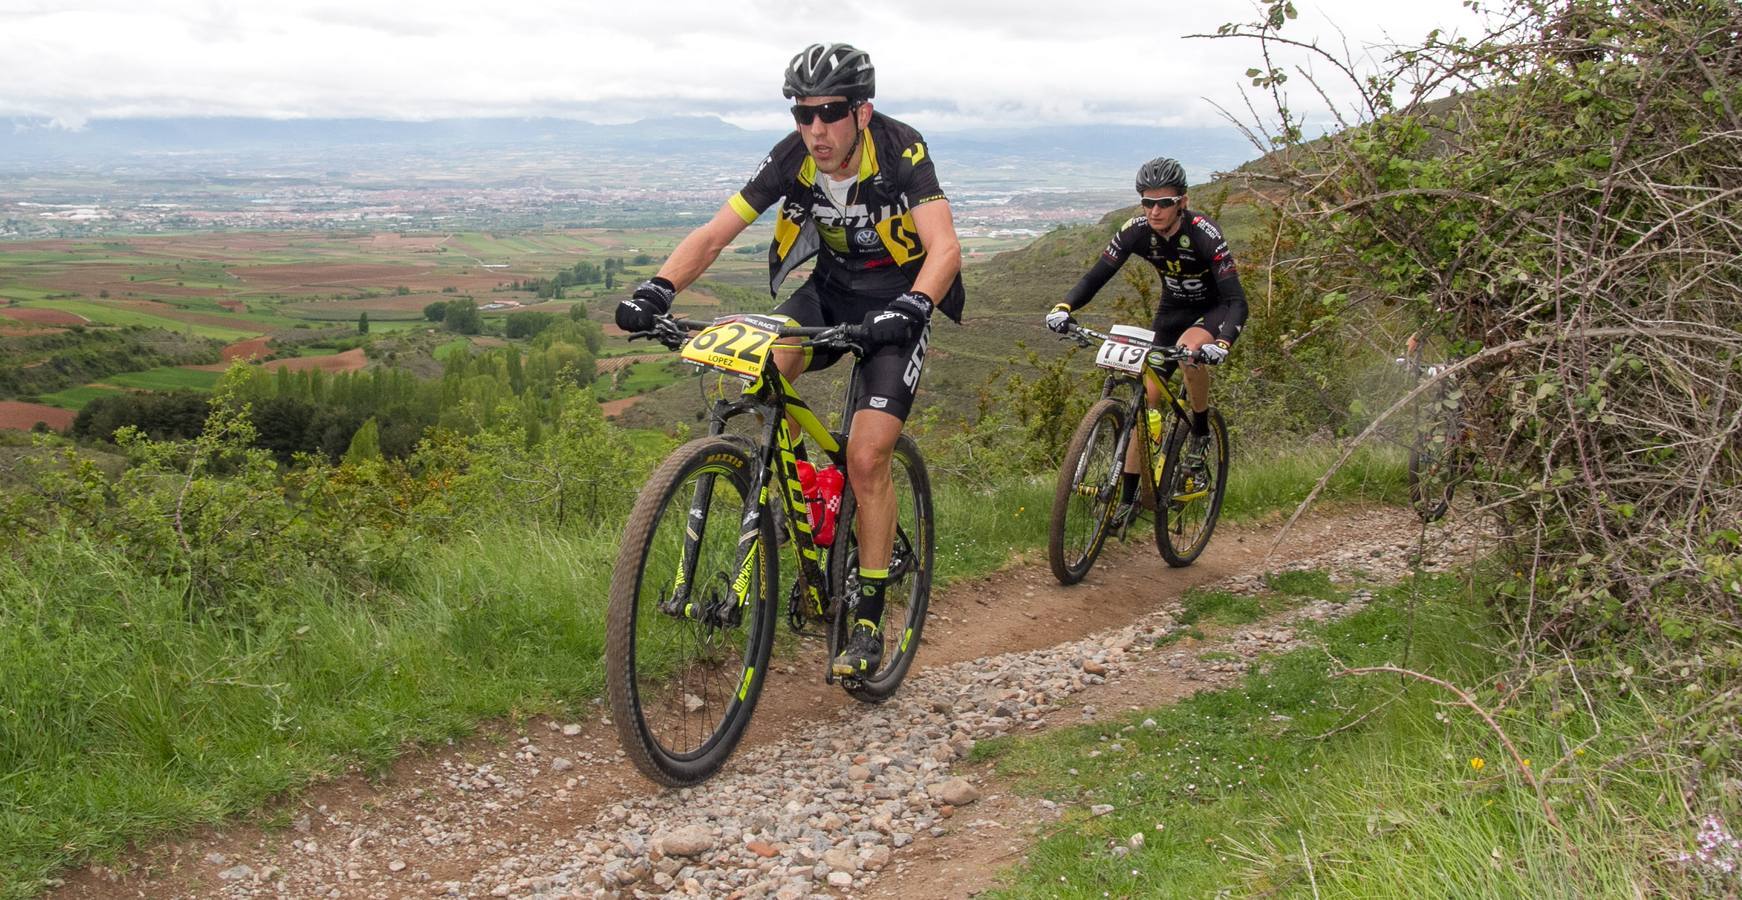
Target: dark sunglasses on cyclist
[(830, 113), (1163, 202)]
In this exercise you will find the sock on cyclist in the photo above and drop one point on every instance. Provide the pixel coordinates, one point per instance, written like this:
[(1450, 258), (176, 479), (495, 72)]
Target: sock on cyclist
[(872, 584), (1128, 488), (1200, 422)]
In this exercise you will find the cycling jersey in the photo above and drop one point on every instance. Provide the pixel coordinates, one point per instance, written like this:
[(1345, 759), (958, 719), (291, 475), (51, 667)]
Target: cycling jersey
[(868, 246), (1196, 268)]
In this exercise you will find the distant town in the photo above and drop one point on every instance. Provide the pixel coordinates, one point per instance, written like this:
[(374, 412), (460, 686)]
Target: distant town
[(176, 176)]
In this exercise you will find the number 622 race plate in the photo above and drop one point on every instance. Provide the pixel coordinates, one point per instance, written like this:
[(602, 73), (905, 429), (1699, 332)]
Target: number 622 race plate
[(738, 344)]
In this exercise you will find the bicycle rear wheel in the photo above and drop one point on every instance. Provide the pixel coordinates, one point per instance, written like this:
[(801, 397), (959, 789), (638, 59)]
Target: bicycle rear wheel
[(910, 568), (685, 657), (1088, 489), (1189, 500)]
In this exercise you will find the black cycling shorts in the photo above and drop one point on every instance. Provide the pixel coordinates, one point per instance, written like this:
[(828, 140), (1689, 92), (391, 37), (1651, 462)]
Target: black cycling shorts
[(1172, 321), (890, 376)]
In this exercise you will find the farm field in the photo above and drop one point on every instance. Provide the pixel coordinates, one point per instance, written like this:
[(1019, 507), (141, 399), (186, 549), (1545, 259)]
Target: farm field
[(253, 284), (22, 416), (245, 289)]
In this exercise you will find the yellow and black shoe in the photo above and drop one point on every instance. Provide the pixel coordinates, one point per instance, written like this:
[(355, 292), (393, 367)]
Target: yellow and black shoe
[(864, 651)]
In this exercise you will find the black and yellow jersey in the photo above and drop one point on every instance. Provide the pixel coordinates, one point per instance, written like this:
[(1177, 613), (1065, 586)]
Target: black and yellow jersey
[(1196, 268), (867, 246)]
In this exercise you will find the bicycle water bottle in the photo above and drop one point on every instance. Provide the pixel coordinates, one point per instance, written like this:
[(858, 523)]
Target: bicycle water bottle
[(807, 483), (1155, 437), (830, 481)]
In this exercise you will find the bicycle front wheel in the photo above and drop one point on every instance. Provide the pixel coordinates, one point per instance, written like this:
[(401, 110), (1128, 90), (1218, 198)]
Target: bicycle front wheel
[(691, 616), (1189, 499), (1088, 488), (910, 568)]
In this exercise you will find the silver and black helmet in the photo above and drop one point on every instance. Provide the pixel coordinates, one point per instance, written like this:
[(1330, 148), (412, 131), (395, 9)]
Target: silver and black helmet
[(1161, 172), (831, 70)]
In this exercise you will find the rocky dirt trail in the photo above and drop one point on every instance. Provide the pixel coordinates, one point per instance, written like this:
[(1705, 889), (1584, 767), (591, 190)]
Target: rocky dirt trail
[(827, 797)]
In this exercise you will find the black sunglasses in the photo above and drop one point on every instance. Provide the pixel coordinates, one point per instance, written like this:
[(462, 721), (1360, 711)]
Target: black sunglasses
[(1163, 202), (830, 113)]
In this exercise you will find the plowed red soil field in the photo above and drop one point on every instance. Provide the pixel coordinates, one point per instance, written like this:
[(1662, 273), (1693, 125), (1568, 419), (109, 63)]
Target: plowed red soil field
[(42, 316), (247, 349), (19, 416), (348, 361)]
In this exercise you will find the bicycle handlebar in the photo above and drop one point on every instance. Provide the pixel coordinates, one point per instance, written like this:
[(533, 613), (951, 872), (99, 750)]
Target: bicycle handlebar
[(672, 331), (1088, 337), (1421, 369)]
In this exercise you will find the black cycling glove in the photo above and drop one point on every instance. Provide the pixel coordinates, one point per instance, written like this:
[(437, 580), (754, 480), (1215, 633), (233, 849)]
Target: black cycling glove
[(899, 322), (652, 297)]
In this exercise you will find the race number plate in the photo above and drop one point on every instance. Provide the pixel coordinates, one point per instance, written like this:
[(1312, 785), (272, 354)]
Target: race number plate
[(738, 345), (1116, 354)]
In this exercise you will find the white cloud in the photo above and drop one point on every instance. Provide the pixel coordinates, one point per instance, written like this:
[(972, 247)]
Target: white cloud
[(961, 62)]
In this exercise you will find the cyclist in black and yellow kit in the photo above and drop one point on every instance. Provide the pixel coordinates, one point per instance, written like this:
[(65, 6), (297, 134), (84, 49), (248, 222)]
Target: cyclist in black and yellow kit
[(857, 191), (1202, 308)]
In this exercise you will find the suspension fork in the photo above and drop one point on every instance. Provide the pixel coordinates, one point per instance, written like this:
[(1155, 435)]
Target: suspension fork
[(696, 524)]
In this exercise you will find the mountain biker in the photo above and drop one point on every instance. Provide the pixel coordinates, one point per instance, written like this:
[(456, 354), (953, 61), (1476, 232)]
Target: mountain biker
[(1202, 307), (858, 191)]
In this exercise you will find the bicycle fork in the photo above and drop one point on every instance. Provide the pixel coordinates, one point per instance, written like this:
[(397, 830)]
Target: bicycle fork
[(718, 606)]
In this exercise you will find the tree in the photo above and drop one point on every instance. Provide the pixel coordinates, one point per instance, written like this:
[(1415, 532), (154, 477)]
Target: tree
[(363, 323), (365, 444), (527, 324), (463, 317), (436, 311)]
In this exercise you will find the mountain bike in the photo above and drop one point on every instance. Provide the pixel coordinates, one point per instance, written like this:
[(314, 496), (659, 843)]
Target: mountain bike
[(1187, 492), (694, 597), (1439, 455)]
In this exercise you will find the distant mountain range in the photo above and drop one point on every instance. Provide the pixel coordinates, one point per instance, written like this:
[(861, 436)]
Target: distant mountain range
[(1085, 149)]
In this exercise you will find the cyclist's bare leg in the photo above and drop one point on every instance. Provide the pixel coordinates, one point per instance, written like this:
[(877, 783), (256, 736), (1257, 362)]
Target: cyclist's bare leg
[(1197, 376), (791, 361), (870, 446)]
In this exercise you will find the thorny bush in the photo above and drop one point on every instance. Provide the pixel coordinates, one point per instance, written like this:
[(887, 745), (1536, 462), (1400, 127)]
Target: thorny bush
[(1557, 205)]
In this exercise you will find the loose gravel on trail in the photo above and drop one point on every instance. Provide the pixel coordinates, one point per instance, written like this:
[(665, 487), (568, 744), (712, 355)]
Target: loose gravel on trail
[(822, 812)]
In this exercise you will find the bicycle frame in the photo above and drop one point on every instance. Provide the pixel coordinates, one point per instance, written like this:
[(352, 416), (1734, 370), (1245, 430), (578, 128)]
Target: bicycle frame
[(774, 400), (1139, 402)]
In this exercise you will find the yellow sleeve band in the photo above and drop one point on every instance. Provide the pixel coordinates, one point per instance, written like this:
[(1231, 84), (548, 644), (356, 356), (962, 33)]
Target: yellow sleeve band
[(744, 210)]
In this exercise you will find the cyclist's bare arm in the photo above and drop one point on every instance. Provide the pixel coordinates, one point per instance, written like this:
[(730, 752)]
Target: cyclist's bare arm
[(943, 252), (701, 247)]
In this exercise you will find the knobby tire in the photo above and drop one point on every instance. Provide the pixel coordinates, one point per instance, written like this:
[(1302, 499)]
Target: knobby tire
[(681, 689)]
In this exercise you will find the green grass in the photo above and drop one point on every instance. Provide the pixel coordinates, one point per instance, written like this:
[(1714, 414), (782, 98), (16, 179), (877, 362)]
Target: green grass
[(12, 292), (979, 530), (122, 717), (104, 314), (76, 398), (639, 378), (457, 345), (1368, 779), (167, 378), (1264, 484)]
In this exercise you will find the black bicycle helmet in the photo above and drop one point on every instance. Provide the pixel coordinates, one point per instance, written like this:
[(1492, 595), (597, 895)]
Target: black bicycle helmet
[(831, 70), (1161, 172)]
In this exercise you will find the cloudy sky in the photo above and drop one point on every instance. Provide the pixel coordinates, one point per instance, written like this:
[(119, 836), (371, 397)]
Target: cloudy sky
[(940, 63)]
